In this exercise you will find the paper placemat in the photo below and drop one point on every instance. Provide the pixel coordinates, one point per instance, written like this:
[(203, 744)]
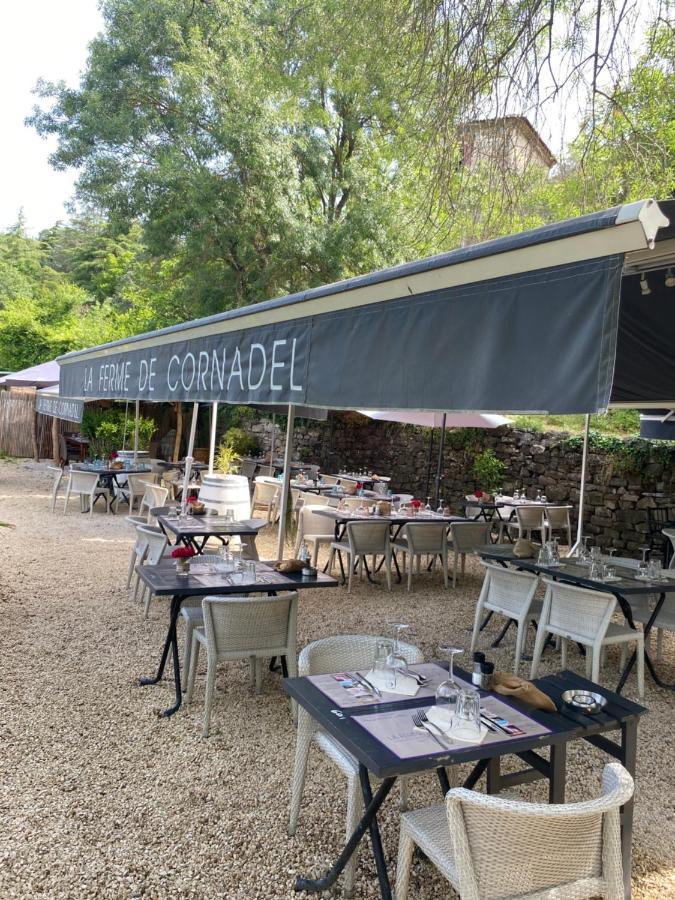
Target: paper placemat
[(345, 692), (395, 730)]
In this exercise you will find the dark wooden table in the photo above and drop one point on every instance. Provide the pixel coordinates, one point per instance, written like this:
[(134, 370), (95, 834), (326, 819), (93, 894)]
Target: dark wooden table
[(164, 581), (194, 531), (376, 759), (628, 586)]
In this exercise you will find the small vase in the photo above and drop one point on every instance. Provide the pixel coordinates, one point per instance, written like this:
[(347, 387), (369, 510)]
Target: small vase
[(182, 566)]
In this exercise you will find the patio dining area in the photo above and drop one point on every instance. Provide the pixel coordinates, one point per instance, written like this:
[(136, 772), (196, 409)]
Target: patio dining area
[(101, 797)]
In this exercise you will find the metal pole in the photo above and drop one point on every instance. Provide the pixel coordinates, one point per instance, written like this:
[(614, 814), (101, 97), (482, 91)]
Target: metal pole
[(429, 459), (286, 484), (189, 458), (126, 419), (274, 431), (212, 442), (582, 489), (136, 416), (439, 469)]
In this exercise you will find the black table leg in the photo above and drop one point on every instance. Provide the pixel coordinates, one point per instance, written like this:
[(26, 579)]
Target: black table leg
[(502, 634), (372, 806), (558, 774), (171, 642), (375, 838), (443, 779)]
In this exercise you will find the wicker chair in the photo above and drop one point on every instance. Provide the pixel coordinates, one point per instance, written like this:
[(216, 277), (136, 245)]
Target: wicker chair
[(57, 474), (642, 604), (584, 616), (313, 529), (154, 495), (157, 544), (490, 848), (465, 537), (528, 520), (192, 613), (85, 486), (363, 539), (266, 496), (140, 547), (511, 594), (424, 539), (241, 627), (558, 519), (344, 652)]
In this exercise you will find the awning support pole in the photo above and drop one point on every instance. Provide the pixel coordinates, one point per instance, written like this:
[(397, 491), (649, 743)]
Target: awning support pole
[(439, 469), (136, 417), (286, 484), (212, 441), (582, 489), (274, 431), (189, 458), (429, 460)]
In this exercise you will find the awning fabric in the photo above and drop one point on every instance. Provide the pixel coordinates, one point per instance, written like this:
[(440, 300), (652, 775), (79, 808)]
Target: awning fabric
[(49, 402), (527, 323), (38, 376)]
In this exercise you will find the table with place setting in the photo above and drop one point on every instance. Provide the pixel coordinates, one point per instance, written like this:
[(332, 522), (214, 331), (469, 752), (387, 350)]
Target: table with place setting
[(109, 475), (397, 733), (207, 579), (194, 531), (607, 576)]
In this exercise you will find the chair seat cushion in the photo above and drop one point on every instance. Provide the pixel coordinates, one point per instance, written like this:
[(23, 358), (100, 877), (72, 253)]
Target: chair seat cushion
[(430, 831), (617, 632), (340, 545)]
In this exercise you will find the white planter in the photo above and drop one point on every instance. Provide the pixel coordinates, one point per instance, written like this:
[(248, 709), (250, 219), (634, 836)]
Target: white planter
[(224, 492), (129, 454)]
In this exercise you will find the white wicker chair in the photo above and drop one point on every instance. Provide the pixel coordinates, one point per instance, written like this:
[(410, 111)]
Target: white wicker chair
[(465, 537), (528, 520), (57, 474), (140, 547), (85, 486), (364, 539), (153, 495), (241, 627), (584, 616), (511, 594), (558, 519), (157, 544), (642, 605), (134, 489), (313, 529), (344, 652), (193, 614), (491, 848), (266, 496), (424, 539)]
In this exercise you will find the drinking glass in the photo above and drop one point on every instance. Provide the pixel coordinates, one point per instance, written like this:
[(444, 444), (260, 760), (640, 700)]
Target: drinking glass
[(544, 558), (439, 509), (596, 570), (642, 570), (384, 652), (397, 659), (229, 516), (427, 506), (607, 573), (466, 723), (654, 569), (226, 561), (596, 554), (584, 553), (248, 566), (447, 692)]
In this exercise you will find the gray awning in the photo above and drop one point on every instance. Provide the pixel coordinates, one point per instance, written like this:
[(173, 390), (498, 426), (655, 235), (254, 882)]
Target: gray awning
[(42, 375), (527, 323), (49, 402)]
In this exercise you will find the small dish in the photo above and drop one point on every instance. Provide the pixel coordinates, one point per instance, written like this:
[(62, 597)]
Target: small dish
[(587, 702)]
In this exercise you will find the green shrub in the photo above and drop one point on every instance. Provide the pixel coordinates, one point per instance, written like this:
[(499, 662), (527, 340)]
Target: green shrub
[(243, 443), (489, 471)]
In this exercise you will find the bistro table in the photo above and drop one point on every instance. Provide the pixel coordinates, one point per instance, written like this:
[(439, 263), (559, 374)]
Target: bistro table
[(164, 581), (382, 738), (109, 476), (396, 521), (626, 586), (194, 531), (486, 511), (196, 468)]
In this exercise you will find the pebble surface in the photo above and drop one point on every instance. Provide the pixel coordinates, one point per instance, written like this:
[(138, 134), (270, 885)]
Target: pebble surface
[(100, 798)]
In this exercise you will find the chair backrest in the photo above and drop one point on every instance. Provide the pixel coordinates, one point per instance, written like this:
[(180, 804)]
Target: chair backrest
[(468, 536), (57, 474), (156, 545), (311, 523), (237, 626), (352, 503), (142, 541), (347, 651), (247, 468), (330, 479), (577, 612), (265, 471), (266, 491), (670, 534), (154, 495), (83, 482), (530, 516), (558, 516), (368, 537), (137, 483), (310, 499), (508, 848), (508, 589), (426, 537)]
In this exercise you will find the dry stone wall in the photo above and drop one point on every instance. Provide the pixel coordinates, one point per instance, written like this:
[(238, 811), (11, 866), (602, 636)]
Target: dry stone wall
[(617, 499)]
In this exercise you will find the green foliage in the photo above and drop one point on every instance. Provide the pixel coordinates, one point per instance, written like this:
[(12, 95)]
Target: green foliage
[(241, 442), (628, 455), (226, 460), (464, 438), (107, 431), (616, 421), (489, 471)]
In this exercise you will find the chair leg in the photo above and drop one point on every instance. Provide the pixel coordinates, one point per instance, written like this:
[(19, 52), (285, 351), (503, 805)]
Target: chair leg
[(302, 745), (406, 847), (130, 573), (351, 572), (476, 625), (538, 649), (593, 655), (563, 653), (148, 598), (454, 568), (410, 574), (640, 649), (187, 653), (192, 671), (65, 501), (520, 640), (387, 563), (208, 697)]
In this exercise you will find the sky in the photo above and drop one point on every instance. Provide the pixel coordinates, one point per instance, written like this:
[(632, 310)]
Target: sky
[(38, 38)]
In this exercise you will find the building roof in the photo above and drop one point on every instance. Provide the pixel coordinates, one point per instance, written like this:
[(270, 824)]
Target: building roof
[(523, 124)]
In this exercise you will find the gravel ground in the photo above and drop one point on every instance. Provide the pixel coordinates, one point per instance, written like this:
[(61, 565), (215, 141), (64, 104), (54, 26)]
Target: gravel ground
[(100, 798)]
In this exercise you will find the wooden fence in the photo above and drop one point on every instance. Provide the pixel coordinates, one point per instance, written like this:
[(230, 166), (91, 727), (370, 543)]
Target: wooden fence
[(22, 430)]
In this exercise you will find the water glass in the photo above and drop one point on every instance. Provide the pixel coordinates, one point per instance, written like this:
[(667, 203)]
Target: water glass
[(607, 573), (229, 516), (597, 570), (642, 570), (249, 569), (226, 561), (654, 569), (466, 723), (384, 651)]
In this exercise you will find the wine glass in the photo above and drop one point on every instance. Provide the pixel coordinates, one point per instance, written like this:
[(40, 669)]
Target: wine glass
[(427, 506), (441, 504), (447, 692)]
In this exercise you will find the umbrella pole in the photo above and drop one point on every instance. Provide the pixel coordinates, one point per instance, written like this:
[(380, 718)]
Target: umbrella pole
[(286, 484), (429, 459), (272, 442), (136, 416), (189, 458), (212, 441), (439, 469), (582, 490)]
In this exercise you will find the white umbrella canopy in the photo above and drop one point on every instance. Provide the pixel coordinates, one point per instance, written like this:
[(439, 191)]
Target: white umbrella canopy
[(436, 419)]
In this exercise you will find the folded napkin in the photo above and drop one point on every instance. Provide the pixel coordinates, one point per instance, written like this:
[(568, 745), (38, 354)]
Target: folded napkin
[(404, 684), (512, 686), (524, 549), (442, 718)]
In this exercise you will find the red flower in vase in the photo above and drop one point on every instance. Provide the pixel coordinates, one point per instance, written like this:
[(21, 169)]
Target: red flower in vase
[(478, 493), (182, 553), (416, 504), (113, 455)]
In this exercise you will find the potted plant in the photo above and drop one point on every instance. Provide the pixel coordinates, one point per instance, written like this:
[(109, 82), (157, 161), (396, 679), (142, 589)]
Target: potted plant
[(489, 472), (182, 555), (226, 489)]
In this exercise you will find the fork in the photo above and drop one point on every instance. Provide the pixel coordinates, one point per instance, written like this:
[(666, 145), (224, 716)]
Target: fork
[(420, 721)]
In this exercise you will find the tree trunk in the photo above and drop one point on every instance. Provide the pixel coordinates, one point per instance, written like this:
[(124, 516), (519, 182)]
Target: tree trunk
[(56, 450), (179, 431), (34, 437)]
